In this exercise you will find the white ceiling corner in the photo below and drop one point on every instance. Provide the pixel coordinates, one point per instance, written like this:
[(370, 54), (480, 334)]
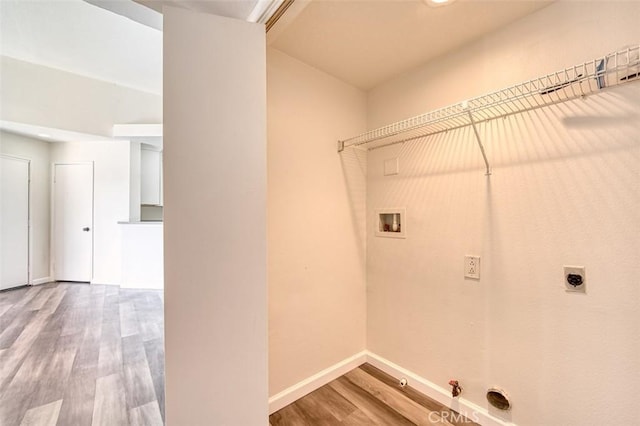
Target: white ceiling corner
[(78, 37), (135, 11), (368, 42), (49, 134), (237, 9), (361, 42)]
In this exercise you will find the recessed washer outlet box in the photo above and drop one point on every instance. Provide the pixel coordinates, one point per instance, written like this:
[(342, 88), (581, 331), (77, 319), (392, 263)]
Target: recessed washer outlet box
[(391, 223), (575, 280)]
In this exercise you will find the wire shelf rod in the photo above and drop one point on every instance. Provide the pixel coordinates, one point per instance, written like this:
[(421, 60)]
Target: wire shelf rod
[(573, 82)]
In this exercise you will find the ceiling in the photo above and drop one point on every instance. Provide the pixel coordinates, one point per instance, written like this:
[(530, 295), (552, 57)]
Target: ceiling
[(75, 36), (49, 134), (362, 42), (239, 9), (366, 43)]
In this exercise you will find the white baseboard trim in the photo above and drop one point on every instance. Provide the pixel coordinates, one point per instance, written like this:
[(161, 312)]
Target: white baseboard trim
[(297, 391), (103, 283), (43, 280), (467, 408)]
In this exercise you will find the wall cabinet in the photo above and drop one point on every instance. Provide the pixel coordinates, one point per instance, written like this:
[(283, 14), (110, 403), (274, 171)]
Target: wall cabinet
[(151, 177)]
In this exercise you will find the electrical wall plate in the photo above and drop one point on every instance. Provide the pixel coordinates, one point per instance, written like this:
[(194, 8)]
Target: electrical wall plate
[(575, 280), (391, 166), (472, 267)]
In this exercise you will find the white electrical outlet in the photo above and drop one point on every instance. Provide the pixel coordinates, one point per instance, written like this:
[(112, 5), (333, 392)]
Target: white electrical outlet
[(575, 280), (472, 267)]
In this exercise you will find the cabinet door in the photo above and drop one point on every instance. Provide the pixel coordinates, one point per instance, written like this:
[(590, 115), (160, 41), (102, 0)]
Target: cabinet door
[(150, 171)]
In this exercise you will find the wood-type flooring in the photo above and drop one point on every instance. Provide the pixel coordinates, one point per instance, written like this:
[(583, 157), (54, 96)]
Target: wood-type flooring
[(80, 354), (366, 396)]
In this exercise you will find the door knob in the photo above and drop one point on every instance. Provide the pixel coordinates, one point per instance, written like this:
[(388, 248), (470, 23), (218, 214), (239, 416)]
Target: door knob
[(86, 229)]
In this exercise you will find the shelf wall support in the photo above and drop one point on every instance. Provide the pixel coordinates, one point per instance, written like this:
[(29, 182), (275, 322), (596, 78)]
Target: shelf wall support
[(475, 130)]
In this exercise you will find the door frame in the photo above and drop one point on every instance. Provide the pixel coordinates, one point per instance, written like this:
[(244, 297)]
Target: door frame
[(52, 236), (29, 233)]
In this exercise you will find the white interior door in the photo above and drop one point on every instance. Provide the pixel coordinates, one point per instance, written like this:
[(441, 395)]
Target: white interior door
[(14, 215), (73, 222)]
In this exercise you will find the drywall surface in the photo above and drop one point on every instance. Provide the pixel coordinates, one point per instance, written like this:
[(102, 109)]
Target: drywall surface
[(564, 191), (558, 36), (38, 95), (316, 222), (134, 181), (142, 255), (110, 199), (39, 198), (215, 196)]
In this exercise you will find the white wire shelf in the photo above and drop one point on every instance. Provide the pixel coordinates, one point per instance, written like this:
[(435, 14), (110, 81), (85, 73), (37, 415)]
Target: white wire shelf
[(581, 80)]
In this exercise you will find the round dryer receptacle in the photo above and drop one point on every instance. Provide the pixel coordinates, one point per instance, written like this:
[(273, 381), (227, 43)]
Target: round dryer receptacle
[(499, 399)]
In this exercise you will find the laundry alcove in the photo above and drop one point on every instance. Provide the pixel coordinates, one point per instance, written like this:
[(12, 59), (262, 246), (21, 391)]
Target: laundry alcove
[(561, 192)]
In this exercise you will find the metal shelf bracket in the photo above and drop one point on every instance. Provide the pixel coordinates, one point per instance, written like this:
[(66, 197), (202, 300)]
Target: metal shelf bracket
[(475, 131)]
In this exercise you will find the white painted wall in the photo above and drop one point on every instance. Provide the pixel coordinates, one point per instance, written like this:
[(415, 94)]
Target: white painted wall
[(150, 176), (564, 191), (215, 220), (40, 192), (111, 199), (135, 178), (316, 224), (48, 97), (142, 255)]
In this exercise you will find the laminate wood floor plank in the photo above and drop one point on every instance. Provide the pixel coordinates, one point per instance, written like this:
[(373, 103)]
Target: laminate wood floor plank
[(54, 301), (109, 358), (14, 328), (51, 382), (12, 409), (88, 353), (31, 352), (89, 348), (357, 418), (78, 400), (24, 363), (149, 310), (315, 412), (392, 398), (419, 398), (373, 398), (44, 415), (80, 354), (10, 297), (109, 407), (129, 324), (40, 299), (28, 296), (4, 307), (146, 415), (291, 415), (138, 384), (372, 407), (327, 399), (11, 324), (154, 350)]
